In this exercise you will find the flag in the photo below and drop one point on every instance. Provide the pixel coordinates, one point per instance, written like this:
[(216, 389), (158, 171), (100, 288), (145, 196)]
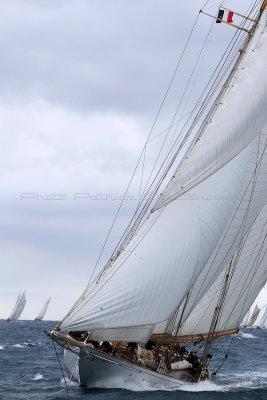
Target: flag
[(225, 15)]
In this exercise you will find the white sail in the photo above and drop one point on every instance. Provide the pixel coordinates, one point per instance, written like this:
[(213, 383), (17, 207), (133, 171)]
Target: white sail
[(248, 279), (238, 119), (41, 314), (144, 286), (263, 320), (19, 307), (245, 320)]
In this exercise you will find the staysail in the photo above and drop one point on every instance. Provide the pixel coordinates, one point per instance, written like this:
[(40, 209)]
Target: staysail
[(150, 278), (41, 314), (18, 308)]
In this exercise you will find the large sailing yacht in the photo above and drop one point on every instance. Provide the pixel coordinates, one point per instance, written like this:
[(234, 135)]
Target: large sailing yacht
[(186, 271)]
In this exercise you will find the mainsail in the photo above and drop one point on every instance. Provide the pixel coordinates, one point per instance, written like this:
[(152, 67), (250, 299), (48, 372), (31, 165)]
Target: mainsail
[(18, 308), (254, 316), (209, 223), (41, 314)]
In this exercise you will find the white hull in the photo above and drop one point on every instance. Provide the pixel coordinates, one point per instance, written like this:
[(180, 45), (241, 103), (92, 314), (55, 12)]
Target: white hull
[(105, 371)]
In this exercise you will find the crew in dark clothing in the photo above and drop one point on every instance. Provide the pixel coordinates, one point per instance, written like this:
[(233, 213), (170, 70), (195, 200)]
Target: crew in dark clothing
[(149, 345), (183, 352), (132, 346), (106, 347), (94, 343), (192, 357)]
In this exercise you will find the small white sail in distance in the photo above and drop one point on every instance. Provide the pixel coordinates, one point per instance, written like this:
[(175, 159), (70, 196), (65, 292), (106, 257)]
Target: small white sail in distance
[(41, 314), (18, 308)]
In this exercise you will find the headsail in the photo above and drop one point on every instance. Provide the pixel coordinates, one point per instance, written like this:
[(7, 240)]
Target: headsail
[(41, 314)]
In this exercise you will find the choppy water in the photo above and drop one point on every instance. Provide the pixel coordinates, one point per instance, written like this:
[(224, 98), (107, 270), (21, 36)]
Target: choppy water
[(29, 369)]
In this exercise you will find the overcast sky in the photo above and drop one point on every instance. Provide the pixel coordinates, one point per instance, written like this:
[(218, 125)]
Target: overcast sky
[(80, 84)]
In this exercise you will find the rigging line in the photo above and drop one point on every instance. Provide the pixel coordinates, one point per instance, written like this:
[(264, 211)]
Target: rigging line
[(142, 214), (182, 97), (152, 128), (145, 190), (60, 365)]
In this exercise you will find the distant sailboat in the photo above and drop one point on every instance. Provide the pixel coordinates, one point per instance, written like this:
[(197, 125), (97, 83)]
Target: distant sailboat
[(41, 314), (18, 308), (254, 316), (263, 320)]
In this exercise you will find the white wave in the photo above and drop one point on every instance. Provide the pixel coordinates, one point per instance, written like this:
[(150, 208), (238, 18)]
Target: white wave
[(205, 386), (38, 377), (1, 348), (20, 346), (243, 335), (68, 382)]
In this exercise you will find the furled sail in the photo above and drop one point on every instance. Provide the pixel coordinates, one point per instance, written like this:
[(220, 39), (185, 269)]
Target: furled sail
[(247, 281), (41, 314), (254, 316), (18, 308), (237, 120), (153, 274), (263, 320)]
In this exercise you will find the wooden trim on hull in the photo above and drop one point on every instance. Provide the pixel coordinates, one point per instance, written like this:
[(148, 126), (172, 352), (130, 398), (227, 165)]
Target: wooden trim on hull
[(192, 338)]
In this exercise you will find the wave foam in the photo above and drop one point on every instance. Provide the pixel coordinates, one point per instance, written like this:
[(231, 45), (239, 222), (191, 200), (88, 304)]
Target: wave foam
[(20, 346), (38, 377), (243, 335), (1, 348)]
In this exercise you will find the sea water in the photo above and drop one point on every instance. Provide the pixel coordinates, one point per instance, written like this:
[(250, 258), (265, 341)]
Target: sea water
[(29, 369)]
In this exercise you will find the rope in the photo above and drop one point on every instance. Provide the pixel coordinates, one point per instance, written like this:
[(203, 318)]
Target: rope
[(60, 364)]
